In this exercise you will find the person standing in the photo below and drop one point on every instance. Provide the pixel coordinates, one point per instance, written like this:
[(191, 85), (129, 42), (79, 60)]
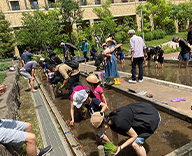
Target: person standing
[(23, 58), (138, 121), (160, 55), (137, 56), (28, 55), (85, 48), (185, 50), (189, 35), (65, 52), (28, 72)]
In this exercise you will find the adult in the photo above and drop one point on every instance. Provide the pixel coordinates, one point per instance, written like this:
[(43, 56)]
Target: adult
[(189, 35), (150, 52), (185, 51), (16, 133), (23, 58), (160, 53), (54, 59), (73, 105), (99, 62), (71, 52), (85, 48), (137, 56), (65, 53), (111, 66), (138, 121), (93, 52), (112, 36), (29, 55), (28, 72), (70, 76)]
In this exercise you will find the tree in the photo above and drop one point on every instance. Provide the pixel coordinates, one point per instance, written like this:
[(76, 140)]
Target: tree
[(7, 40), (102, 29), (40, 30), (70, 14)]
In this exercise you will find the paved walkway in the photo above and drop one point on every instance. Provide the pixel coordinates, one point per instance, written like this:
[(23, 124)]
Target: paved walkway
[(172, 55), (160, 92), (49, 131)]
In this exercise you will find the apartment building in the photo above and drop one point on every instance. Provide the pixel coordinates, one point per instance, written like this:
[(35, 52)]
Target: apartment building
[(13, 10)]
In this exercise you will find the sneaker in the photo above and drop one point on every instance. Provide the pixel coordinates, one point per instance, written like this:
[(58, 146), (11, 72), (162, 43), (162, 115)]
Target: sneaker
[(45, 150), (132, 81), (141, 80)]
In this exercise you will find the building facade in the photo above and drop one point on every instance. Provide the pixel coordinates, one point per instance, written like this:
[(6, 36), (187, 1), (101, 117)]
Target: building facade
[(13, 10)]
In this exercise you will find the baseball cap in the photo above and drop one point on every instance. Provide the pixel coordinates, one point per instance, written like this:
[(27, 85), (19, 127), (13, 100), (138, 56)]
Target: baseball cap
[(131, 31), (62, 43), (112, 34), (79, 97), (97, 119)]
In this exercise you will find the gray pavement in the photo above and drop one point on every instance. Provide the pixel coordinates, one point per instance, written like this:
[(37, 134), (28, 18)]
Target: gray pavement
[(49, 131)]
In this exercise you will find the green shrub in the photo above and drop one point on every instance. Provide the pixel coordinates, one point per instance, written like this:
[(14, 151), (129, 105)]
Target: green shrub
[(148, 36), (2, 77), (4, 66), (6, 60)]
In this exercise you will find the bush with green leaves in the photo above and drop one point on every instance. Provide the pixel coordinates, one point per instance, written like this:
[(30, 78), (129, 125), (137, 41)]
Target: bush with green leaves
[(4, 66), (6, 60), (2, 77)]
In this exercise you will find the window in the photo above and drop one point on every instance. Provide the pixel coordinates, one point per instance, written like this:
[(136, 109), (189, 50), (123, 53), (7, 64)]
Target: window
[(124, 1), (83, 2), (33, 4), (112, 1), (97, 2), (15, 5), (50, 3)]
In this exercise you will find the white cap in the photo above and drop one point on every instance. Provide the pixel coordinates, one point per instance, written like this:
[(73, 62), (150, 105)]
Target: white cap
[(131, 32), (62, 43), (79, 97), (42, 59)]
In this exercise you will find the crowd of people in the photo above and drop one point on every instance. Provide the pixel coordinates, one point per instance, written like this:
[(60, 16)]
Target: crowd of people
[(138, 120)]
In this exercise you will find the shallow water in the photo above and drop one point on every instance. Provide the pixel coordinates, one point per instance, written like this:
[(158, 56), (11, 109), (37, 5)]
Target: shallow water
[(170, 72), (170, 135)]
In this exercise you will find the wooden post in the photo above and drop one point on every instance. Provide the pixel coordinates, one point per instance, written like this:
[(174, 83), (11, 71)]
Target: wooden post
[(101, 150), (52, 93), (102, 79)]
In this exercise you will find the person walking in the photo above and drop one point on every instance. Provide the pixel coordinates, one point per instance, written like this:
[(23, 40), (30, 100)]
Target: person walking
[(137, 56), (29, 55), (138, 121), (85, 48), (185, 51)]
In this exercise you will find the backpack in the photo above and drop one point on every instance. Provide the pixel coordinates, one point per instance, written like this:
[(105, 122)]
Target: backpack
[(72, 63)]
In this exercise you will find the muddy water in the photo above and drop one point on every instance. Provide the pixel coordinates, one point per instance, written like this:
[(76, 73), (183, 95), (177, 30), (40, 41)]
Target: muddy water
[(169, 73), (170, 135)]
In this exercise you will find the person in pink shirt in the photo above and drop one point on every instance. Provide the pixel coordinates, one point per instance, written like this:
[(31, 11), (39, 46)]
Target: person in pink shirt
[(79, 110), (96, 88)]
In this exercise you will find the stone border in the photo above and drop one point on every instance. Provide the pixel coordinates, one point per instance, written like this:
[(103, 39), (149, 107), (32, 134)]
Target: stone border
[(70, 137)]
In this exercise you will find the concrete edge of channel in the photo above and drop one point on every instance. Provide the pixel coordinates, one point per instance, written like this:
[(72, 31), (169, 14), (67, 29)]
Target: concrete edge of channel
[(161, 82), (70, 137)]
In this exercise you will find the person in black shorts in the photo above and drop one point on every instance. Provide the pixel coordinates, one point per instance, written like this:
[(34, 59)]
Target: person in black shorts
[(160, 54), (150, 51)]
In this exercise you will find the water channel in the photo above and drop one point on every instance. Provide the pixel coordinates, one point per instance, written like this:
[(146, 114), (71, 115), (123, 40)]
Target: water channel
[(170, 135), (170, 72)]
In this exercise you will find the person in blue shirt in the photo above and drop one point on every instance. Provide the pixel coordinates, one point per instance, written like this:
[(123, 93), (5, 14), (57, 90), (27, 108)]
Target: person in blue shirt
[(23, 58), (85, 48), (29, 55)]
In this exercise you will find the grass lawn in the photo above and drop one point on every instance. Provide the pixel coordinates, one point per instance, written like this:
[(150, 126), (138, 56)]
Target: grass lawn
[(4, 66), (6, 60), (2, 77)]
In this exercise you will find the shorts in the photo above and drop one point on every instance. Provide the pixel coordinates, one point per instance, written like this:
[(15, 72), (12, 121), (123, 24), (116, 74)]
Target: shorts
[(160, 59), (26, 75), (184, 56), (45, 70), (141, 140), (149, 57), (98, 132), (155, 58), (122, 56), (12, 132)]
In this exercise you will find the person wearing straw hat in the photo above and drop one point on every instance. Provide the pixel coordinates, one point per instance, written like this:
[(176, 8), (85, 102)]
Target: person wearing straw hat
[(111, 67), (96, 88), (138, 121)]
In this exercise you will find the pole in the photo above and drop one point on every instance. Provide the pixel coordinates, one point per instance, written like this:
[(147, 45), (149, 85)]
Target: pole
[(101, 150), (142, 21)]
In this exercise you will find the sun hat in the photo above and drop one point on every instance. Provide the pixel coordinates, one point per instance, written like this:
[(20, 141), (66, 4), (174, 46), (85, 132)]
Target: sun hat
[(84, 39), (108, 39), (97, 119), (42, 59), (92, 79), (79, 97), (62, 43)]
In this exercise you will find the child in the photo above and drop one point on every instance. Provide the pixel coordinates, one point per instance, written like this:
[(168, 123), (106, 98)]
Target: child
[(160, 55), (96, 88), (105, 50), (92, 105)]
